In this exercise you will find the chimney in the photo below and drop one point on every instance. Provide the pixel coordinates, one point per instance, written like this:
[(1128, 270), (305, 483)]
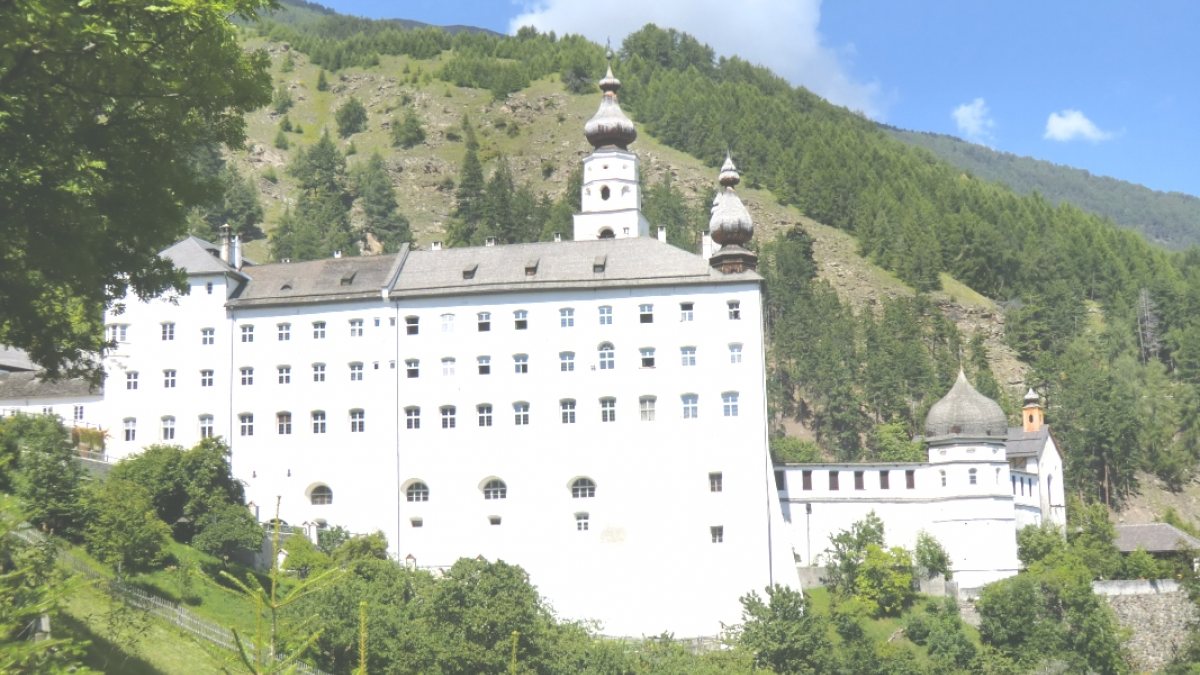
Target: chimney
[(337, 254), (557, 237), (235, 252), (662, 234), (436, 246), (1032, 415), (706, 246), (225, 244), (490, 241)]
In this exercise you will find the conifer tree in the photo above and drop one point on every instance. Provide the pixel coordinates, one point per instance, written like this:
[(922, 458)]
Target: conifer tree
[(320, 225), (351, 117), (322, 83), (468, 197), (409, 131), (378, 200)]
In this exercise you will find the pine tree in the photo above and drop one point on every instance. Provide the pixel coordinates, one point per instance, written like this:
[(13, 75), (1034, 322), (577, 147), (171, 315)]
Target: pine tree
[(351, 117), (378, 200), (320, 225), (408, 132), (496, 216), (322, 84), (468, 197), (281, 140), (665, 206)]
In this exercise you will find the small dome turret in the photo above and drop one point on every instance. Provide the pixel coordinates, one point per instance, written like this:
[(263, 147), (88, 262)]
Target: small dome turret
[(609, 126), (964, 413), (730, 224)]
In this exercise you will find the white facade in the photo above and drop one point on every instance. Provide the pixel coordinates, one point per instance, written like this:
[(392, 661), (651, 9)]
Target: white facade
[(612, 199)]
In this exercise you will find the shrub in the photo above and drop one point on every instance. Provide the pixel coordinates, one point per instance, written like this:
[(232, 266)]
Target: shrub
[(351, 117)]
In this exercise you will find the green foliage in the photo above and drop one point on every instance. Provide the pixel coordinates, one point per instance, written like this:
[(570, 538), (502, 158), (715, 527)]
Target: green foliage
[(947, 640), (288, 64), (884, 580), (49, 479), (793, 450), (281, 140), (303, 558), (1141, 565), (281, 101), (239, 207), (330, 538), (351, 117), (320, 225), (228, 529), (378, 200), (409, 132), (783, 633), (892, 443), (1091, 535), (930, 557), (847, 551), (1039, 542), (322, 83), (372, 546), (122, 530), (664, 206)]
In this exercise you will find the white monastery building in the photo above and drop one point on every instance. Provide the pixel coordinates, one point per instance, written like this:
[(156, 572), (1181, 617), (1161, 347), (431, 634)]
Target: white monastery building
[(593, 410)]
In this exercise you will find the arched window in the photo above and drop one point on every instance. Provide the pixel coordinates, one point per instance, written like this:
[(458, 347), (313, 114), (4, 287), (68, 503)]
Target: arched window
[(417, 492), (495, 489), (321, 495), (607, 359), (583, 488)]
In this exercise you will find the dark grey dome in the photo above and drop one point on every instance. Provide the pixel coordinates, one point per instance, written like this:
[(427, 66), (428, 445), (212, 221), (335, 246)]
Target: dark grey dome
[(965, 413)]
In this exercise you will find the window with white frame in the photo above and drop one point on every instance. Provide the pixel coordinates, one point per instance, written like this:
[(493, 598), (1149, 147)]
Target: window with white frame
[(449, 416), (412, 368), (130, 424), (169, 379), (417, 492), (358, 421), (447, 366), (318, 330), (78, 413), (131, 380), (495, 489), (687, 356), (168, 331), (583, 488), (247, 376), (247, 333), (284, 374), (735, 310), (566, 317), (283, 423), (521, 413), (717, 532), (735, 352), (206, 378), (646, 313), (729, 404), (605, 315), (582, 522), (520, 319), (567, 406), (318, 421), (412, 417), (607, 356), (608, 409), (691, 406), (484, 363), (520, 363), (318, 372), (412, 325), (646, 407), (208, 336), (356, 327), (484, 410), (356, 372), (566, 361), (647, 357), (168, 428), (246, 424), (686, 311), (206, 426), (283, 332), (322, 495), (447, 323), (483, 321), (116, 332)]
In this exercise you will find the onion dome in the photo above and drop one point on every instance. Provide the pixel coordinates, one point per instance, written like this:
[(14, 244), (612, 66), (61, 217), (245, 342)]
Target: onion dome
[(730, 223), (965, 413), (1031, 397), (609, 126)]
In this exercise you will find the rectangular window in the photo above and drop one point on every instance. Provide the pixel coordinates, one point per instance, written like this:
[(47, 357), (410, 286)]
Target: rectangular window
[(646, 406), (247, 333), (412, 417), (447, 323), (520, 319), (168, 332), (735, 353), (168, 428), (448, 367), (729, 404), (566, 361), (484, 321), (356, 372), (520, 363), (608, 410), (859, 481), (780, 479), (115, 332), (318, 372), (715, 482), (691, 406), (78, 413), (485, 414), (208, 287), (833, 480), (283, 332), (735, 310), (485, 365), (685, 311), (412, 368), (718, 533), (247, 376), (910, 479), (582, 522), (943, 476), (206, 426), (449, 417), (687, 356), (356, 327), (283, 423), (412, 325), (646, 313), (358, 421), (647, 357), (130, 429), (206, 378), (605, 315), (208, 336), (885, 480), (972, 477), (169, 379), (806, 480), (131, 380), (285, 374), (318, 421), (567, 406), (607, 356), (318, 330), (521, 413), (246, 422), (566, 317)]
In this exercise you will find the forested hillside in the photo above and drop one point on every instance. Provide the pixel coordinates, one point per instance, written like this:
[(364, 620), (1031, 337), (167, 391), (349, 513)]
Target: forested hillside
[(480, 135), (1168, 218)]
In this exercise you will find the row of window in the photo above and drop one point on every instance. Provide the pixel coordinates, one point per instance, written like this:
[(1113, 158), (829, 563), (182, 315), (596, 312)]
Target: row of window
[(647, 410), (581, 488), (283, 424), (910, 480), (483, 323)]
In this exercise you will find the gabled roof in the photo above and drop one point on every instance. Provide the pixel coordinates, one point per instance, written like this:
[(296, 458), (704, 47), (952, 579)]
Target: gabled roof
[(635, 261), (1023, 443), (197, 257), (14, 359), (20, 386), (1154, 537), (325, 280)]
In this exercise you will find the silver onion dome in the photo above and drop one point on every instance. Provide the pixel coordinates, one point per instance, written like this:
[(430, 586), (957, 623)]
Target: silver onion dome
[(965, 413), (730, 223), (609, 127)]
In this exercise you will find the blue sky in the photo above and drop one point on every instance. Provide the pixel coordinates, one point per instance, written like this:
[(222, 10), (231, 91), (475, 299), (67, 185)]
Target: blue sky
[(1111, 87)]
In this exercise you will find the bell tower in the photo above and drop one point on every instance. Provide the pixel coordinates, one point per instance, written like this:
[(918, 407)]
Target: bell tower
[(1032, 415)]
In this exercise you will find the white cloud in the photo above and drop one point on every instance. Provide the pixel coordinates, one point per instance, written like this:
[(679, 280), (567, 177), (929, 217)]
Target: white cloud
[(1070, 125), (974, 120), (780, 34)]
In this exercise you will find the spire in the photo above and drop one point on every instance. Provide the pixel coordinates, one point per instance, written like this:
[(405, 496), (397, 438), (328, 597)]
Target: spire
[(730, 223), (609, 126)]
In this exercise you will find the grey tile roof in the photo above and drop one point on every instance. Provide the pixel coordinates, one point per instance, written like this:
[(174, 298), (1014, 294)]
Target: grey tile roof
[(197, 256), (637, 261), (325, 280), (1154, 537), (21, 386), (1023, 443), (14, 359)]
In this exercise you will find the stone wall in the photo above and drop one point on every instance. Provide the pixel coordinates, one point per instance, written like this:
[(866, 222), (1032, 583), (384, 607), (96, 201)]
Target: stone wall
[(1158, 614)]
